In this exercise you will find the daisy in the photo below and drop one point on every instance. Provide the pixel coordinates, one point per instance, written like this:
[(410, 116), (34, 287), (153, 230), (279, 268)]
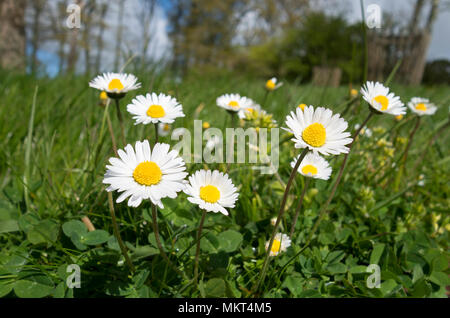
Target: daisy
[(115, 84), (319, 130), (142, 173), (365, 131), (313, 166), (353, 92), (248, 110), (163, 129), (272, 85), (212, 191), (280, 244), (213, 142), (422, 106), (234, 102), (155, 109), (302, 106), (380, 99)]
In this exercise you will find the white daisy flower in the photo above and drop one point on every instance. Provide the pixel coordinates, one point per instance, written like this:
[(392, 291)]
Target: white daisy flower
[(248, 110), (153, 108), (422, 106), (213, 142), (272, 85), (313, 166), (212, 191), (380, 99), (115, 83), (163, 129), (280, 244), (234, 102), (142, 173), (319, 130)]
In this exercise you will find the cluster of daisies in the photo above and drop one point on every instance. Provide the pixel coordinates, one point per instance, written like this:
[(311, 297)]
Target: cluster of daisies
[(142, 172)]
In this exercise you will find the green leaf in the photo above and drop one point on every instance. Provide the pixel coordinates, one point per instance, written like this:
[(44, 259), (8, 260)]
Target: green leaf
[(5, 289), (74, 226), (388, 286), (440, 278), (359, 269), (337, 268), (230, 240), (95, 237), (209, 243), (34, 287), (215, 287), (45, 231), (9, 226), (376, 253), (28, 220)]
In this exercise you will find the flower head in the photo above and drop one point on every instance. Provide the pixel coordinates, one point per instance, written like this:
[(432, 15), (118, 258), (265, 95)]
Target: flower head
[(280, 244), (353, 93), (313, 166), (381, 100), (249, 110), (143, 173), (302, 106), (163, 129), (115, 83), (234, 102), (154, 109), (212, 191), (422, 106), (272, 85), (319, 130)]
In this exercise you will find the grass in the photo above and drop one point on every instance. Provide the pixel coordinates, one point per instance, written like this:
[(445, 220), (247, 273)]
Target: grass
[(55, 145)]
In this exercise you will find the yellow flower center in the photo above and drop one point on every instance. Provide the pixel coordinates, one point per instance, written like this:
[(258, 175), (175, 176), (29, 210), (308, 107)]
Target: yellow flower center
[(166, 127), (383, 101), (315, 135), (276, 245), (302, 106), (309, 169), (206, 125), (156, 111), (209, 194), (421, 106), (115, 84), (353, 92), (233, 104), (103, 96), (250, 110), (270, 85), (399, 117), (147, 173)]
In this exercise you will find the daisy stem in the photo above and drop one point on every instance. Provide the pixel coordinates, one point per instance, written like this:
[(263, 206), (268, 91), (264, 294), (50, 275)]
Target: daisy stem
[(119, 116), (265, 97), (299, 206), (280, 215), (111, 132), (117, 233), (156, 134), (158, 240), (197, 251)]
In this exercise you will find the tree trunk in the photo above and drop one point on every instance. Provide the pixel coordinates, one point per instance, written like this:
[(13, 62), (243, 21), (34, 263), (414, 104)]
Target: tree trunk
[(12, 34), (119, 36)]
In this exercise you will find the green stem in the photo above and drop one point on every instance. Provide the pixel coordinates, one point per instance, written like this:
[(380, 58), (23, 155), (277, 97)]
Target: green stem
[(299, 206), (117, 233), (197, 251), (119, 116), (280, 215)]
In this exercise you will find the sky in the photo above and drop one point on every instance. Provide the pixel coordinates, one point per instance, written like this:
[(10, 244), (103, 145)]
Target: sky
[(161, 45)]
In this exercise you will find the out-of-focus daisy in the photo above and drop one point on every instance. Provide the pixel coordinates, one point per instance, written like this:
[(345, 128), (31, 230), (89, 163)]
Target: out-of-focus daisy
[(313, 166), (213, 142), (249, 110), (234, 102), (422, 106), (115, 84), (319, 130), (212, 191), (381, 100), (163, 129), (272, 84), (353, 93), (365, 131), (153, 108), (280, 244), (103, 96), (302, 106), (398, 117), (206, 125), (143, 173)]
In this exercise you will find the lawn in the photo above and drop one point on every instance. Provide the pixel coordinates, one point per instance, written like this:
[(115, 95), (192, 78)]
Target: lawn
[(55, 147)]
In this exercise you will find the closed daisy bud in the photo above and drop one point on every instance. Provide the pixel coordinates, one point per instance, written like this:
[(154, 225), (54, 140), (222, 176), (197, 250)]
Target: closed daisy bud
[(319, 130), (381, 100), (280, 244), (142, 173), (398, 117), (353, 92), (212, 191), (103, 96), (153, 108), (422, 106)]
